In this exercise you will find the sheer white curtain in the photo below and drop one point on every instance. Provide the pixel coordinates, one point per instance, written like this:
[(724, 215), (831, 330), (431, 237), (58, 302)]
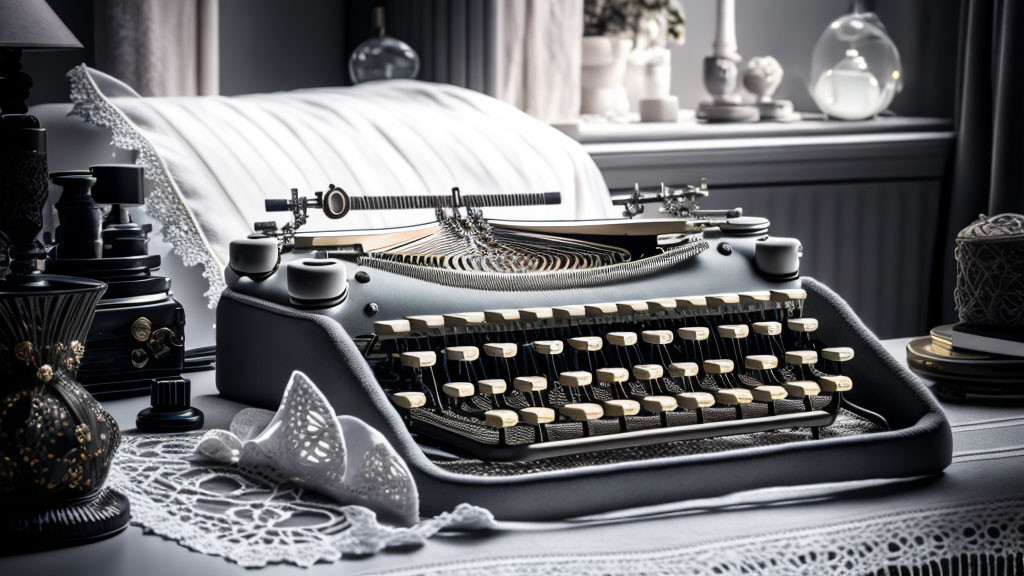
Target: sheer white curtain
[(160, 47), (539, 56)]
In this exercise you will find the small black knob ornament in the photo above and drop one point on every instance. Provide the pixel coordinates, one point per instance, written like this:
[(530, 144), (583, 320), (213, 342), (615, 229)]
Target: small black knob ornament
[(171, 410)]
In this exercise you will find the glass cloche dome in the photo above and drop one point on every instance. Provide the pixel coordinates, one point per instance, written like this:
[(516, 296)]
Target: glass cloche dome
[(855, 68), (382, 57)]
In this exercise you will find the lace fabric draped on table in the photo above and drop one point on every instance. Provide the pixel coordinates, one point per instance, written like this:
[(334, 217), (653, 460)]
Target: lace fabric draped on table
[(300, 485)]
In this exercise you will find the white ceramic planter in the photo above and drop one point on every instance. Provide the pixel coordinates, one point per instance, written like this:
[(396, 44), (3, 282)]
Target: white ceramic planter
[(603, 71)]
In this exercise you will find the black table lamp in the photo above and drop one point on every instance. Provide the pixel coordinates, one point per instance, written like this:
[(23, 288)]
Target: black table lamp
[(26, 25)]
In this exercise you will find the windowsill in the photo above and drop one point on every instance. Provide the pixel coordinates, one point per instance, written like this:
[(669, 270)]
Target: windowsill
[(767, 153), (687, 128)]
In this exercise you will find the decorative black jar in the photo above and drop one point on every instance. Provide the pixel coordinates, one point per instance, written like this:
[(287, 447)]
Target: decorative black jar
[(56, 442)]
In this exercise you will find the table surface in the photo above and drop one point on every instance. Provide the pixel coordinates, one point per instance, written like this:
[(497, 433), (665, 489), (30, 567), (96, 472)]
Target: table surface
[(988, 444)]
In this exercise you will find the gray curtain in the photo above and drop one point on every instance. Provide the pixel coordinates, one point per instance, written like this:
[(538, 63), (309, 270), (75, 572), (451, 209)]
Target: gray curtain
[(988, 166), (160, 47)]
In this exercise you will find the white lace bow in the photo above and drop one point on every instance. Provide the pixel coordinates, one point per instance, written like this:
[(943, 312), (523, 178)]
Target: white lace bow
[(340, 457)]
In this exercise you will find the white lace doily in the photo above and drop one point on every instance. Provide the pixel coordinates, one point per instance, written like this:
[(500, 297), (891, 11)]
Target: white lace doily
[(975, 538), (226, 511)]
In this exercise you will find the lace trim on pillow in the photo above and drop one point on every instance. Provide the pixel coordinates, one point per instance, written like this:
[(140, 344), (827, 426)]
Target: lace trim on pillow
[(246, 517), (165, 203)]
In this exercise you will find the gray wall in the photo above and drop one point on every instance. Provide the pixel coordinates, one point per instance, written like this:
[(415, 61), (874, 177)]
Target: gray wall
[(925, 32), (268, 45)]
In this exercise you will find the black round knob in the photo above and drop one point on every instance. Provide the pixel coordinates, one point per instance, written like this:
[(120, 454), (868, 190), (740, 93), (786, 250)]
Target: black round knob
[(371, 309), (171, 409), (725, 248), (362, 277)]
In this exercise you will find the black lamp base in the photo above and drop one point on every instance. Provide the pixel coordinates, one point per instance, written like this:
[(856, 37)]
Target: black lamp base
[(32, 528)]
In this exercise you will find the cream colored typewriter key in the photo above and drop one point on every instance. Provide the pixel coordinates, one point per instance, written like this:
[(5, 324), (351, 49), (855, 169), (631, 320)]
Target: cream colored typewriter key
[(612, 375), (419, 359), (722, 299), (527, 384), (458, 389), (582, 412), (767, 328), (586, 343), (651, 373), (605, 309), (691, 302), (501, 419), (683, 369), (501, 349), (568, 312), (537, 417), (788, 295), (756, 297), (694, 333), (462, 353), (657, 337), (718, 366), (660, 405), (425, 323), (661, 305), (801, 357), (463, 318), (632, 307), (761, 362), (769, 395), (492, 387), (501, 316), (536, 314), (621, 409), (575, 379), (733, 331), (549, 347), (802, 388), (532, 387), (835, 383), (391, 327), (409, 400), (695, 400), (648, 371), (733, 396), (837, 354), (802, 324), (621, 338)]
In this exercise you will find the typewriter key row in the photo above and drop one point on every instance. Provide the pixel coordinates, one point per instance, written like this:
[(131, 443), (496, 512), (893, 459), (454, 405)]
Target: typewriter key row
[(628, 362)]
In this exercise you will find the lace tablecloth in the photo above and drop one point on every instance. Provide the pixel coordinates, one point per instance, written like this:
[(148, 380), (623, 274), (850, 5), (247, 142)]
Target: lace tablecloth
[(971, 519)]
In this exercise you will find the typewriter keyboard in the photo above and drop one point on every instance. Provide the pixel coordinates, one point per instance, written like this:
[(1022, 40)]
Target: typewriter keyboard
[(538, 382)]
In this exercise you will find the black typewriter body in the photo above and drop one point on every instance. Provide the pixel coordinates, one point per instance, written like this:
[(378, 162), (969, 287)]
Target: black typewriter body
[(576, 463)]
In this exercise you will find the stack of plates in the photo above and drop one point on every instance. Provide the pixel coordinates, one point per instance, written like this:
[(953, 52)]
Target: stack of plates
[(962, 374)]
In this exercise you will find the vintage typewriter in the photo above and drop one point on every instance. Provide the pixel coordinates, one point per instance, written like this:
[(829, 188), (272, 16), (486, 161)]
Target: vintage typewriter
[(553, 369)]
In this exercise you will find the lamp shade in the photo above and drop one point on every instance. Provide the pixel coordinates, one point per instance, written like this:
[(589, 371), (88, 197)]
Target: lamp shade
[(32, 25)]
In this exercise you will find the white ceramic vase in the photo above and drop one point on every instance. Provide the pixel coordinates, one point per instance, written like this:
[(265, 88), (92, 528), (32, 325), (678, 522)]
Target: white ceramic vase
[(603, 62)]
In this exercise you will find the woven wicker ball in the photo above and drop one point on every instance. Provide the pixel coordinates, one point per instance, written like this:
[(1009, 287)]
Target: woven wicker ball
[(990, 271)]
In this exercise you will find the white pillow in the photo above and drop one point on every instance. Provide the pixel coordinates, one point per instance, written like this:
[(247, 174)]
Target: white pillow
[(214, 160)]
